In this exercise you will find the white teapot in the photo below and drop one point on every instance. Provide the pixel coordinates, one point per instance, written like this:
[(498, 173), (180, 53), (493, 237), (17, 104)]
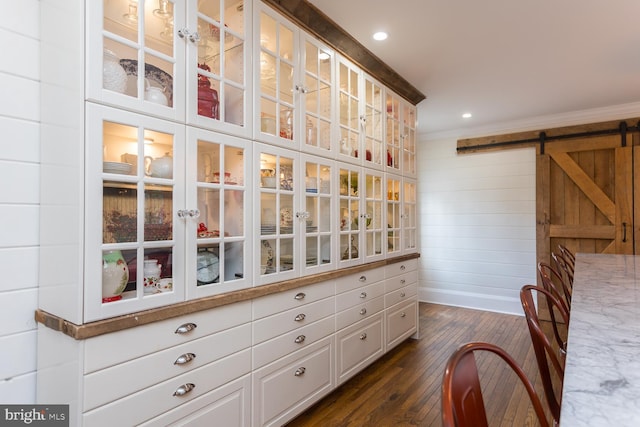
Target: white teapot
[(162, 167), (155, 94)]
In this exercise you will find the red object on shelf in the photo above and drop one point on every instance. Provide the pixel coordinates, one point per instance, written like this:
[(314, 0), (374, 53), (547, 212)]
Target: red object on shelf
[(111, 299), (208, 103), (389, 159)]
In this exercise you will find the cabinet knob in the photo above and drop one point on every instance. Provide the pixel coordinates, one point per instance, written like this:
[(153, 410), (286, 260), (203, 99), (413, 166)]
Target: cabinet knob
[(184, 389), (300, 317), (299, 296), (300, 371), (185, 328), (363, 311), (363, 336), (194, 37), (300, 339), (184, 358), (363, 294), (363, 278), (183, 32)]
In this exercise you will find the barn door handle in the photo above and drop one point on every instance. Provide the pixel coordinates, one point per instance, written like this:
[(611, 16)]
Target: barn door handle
[(624, 231)]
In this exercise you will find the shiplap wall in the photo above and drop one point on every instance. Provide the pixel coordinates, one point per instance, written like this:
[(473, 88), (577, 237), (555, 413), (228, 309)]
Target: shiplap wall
[(19, 197), (477, 226)]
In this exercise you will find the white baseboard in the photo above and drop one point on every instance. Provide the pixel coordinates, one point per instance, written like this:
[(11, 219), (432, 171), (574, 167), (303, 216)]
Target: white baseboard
[(492, 303)]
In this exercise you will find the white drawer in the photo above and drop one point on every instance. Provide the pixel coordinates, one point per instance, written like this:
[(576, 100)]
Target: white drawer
[(284, 389), (109, 384), (292, 341), (289, 320), (228, 406), (148, 403), (360, 295), (353, 281), (402, 294), (359, 312), (275, 303), (111, 349), (392, 270), (402, 322), (358, 346), (401, 281)]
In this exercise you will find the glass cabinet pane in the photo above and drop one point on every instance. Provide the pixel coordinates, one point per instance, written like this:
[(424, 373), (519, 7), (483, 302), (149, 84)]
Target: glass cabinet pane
[(317, 213), (277, 69), (349, 214), (409, 139), (221, 61), (138, 210), (348, 110), (140, 33), (318, 96), (409, 216), (374, 225), (394, 220), (374, 143), (393, 133), (221, 196), (277, 214)]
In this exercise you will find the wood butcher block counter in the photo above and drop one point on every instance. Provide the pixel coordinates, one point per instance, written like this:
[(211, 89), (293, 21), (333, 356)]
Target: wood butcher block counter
[(132, 320)]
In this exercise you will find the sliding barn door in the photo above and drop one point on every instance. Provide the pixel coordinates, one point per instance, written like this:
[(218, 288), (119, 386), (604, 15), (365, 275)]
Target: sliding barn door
[(585, 196)]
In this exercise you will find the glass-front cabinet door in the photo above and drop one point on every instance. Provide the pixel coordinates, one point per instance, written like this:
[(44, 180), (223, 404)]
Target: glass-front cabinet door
[(394, 132), (276, 87), (134, 58), (372, 216), (410, 122), (218, 76), (134, 197), (317, 96), (277, 245), (349, 210), (409, 216), (218, 238), (374, 145), (394, 214), (350, 119), (314, 215)]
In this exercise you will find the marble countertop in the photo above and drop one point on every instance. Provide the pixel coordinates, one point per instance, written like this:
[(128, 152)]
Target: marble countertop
[(602, 372)]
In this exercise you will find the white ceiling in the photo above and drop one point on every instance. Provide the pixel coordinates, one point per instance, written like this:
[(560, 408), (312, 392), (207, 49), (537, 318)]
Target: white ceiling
[(502, 60)]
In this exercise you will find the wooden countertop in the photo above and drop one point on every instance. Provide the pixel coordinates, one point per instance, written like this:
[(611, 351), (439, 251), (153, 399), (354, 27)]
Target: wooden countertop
[(132, 320)]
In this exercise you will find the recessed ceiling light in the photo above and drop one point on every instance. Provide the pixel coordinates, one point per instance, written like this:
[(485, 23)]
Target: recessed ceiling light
[(380, 35), (467, 115)]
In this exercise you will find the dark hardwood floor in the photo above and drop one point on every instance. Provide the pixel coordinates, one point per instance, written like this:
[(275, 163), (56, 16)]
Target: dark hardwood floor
[(403, 387)]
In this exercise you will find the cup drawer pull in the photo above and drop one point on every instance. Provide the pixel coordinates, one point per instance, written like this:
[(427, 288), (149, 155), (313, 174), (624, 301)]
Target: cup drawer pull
[(300, 371), (300, 339), (363, 336), (363, 311), (185, 328), (402, 295), (184, 389), (363, 278), (299, 296), (184, 358), (363, 295), (300, 317), (403, 314)]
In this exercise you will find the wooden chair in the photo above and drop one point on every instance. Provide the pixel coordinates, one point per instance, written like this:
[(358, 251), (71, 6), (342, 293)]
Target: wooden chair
[(546, 355), (551, 280), (462, 401), (564, 266)]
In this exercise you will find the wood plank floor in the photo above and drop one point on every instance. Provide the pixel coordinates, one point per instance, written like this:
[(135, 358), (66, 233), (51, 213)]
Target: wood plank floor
[(403, 387)]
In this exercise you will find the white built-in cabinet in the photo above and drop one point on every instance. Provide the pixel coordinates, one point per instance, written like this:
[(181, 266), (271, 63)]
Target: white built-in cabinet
[(242, 153)]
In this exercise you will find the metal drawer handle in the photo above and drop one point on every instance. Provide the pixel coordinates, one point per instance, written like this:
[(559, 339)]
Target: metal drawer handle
[(363, 336), (363, 278), (184, 389), (300, 317), (300, 339), (187, 327), (300, 371), (402, 294), (402, 267), (363, 311), (363, 295), (184, 358), (403, 314), (402, 282), (300, 295)]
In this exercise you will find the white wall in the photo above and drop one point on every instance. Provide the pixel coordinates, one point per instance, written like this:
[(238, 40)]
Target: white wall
[(477, 226), (19, 197)]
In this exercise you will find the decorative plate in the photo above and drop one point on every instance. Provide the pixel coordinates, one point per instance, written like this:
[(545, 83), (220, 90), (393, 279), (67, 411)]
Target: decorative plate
[(156, 76), (266, 255), (208, 266)]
